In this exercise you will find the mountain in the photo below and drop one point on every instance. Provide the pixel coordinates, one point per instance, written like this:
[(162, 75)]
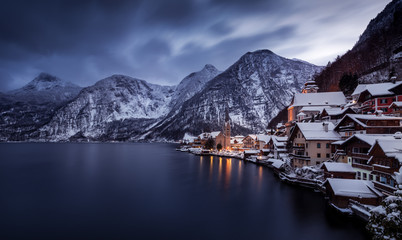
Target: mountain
[(374, 57), (254, 89), (192, 84), (25, 110), (46, 88), (114, 99), (120, 107)]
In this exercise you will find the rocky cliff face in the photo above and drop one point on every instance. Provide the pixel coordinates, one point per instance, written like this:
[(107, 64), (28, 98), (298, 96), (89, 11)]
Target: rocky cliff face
[(377, 53), (254, 89)]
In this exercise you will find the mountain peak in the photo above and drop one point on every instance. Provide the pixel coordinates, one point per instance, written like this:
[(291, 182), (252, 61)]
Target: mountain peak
[(210, 67), (46, 77), (261, 51)]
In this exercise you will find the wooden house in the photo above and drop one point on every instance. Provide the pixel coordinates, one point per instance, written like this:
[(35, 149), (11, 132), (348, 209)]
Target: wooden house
[(386, 159), (352, 124), (310, 143), (340, 191), (338, 170)]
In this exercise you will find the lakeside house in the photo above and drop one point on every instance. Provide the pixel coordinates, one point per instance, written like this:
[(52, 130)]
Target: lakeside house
[(352, 124), (310, 143), (338, 170), (370, 98), (341, 191), (386, 159)]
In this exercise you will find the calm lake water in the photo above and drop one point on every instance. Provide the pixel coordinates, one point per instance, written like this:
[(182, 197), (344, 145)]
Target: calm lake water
[(151, 191)]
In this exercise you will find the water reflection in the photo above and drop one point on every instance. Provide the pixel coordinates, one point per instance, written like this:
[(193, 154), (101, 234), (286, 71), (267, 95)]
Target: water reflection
[(259, 177), (240, 168), (228, 172)]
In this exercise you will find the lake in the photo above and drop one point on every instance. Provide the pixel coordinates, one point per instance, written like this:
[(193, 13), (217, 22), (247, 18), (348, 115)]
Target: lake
[(151, 191)]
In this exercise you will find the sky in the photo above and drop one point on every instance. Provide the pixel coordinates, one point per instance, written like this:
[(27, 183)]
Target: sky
[(163, 41)]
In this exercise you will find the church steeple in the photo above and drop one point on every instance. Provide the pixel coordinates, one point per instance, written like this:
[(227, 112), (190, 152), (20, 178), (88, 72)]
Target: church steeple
[(226, 129)]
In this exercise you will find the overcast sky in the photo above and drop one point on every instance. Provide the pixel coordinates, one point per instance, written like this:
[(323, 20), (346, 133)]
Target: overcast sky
[(162, 41)]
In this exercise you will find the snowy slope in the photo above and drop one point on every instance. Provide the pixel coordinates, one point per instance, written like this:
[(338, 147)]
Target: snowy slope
[(46, 88), (255, 89), (115, 98), (25, 110)]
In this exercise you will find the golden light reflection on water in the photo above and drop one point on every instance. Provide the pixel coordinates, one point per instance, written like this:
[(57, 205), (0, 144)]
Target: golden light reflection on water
[(240, 169), (259, 176), (220, 169), (228, 172), (211, 166)]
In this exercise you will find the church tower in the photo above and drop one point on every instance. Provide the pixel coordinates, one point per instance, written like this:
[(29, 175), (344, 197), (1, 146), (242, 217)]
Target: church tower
[(310, 87), (226, 130)]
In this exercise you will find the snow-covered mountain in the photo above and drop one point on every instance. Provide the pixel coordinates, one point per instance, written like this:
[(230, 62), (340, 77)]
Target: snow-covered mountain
[(122, 108), (255, 89), (112, 99), (46, 88), (192, 84), (23, 111)]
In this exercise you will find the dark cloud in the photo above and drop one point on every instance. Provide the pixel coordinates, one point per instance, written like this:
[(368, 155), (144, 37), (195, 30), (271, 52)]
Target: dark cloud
[(162, 41)]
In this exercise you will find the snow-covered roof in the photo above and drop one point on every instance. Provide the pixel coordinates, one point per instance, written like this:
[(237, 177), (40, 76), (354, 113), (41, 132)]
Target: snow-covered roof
[(319, 99), (251, 151), (391, 148), (353, 188), (276, 163), (263, 137), (396, 104), (377, 89), (315, 131), (370, 138), (253, 136), (338, 167), (360, 88), (312, 109), (215, 134), (335, 110), (359, 118), (189, 138)]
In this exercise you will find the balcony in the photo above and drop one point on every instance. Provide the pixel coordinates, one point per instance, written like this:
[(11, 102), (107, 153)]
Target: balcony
[(384, 169), (296, 156), (384, 187), (362, 166)]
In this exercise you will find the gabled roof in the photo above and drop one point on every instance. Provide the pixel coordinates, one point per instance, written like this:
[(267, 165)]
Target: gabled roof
[(252, 136), (312, 109), (377, 89), (319, 99), (370, 138), (391, 148), (362, 118), (263, 137), (215, 134), (331, 111), (315, 131), (396, 104), (338, 167), (353, 188), (360, 88)]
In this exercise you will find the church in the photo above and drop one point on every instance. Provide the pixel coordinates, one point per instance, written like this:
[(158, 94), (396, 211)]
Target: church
[(223, 137)]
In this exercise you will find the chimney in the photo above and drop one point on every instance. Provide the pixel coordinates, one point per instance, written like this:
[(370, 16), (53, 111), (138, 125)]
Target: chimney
[(325, 125)]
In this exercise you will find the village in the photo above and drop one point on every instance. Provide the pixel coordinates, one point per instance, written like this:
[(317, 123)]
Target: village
[(347, 147)]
